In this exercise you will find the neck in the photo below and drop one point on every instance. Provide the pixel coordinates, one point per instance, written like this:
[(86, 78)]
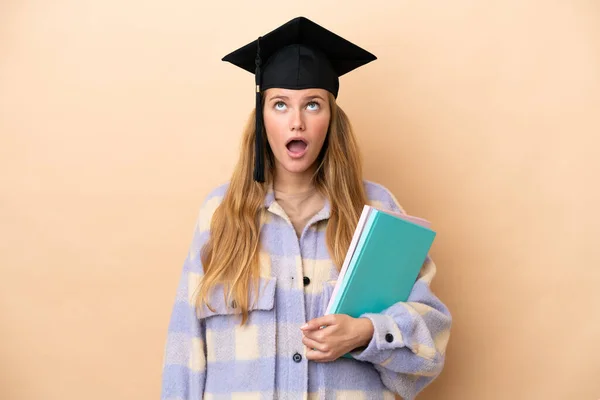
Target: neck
[(292, 182)]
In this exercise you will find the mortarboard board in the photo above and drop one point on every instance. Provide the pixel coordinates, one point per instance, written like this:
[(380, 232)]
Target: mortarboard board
[(299, 54)]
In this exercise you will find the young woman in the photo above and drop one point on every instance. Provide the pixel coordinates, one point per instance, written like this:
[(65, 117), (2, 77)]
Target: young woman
[(248, 321)]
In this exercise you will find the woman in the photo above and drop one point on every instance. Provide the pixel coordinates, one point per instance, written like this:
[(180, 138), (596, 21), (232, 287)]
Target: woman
[(267, 248)]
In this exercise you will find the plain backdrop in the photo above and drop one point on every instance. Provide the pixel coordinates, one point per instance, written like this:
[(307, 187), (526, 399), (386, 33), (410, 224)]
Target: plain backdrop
[(118, 117)]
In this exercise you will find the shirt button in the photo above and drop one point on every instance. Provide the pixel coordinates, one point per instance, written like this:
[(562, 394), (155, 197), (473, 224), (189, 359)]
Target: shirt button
[(297, 357), (389, 338), (306, 281)]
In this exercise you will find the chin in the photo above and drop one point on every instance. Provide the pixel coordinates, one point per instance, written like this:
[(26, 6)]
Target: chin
[(295, 168)]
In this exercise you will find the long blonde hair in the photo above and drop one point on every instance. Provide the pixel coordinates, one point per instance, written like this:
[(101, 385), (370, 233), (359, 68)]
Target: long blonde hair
[(230, 256)]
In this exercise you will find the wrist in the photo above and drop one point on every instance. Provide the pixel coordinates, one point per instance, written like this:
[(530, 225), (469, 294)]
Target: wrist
[(367, 330)]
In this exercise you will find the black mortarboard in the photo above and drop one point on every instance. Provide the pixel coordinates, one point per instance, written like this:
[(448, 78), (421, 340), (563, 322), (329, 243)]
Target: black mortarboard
[(297, 55)]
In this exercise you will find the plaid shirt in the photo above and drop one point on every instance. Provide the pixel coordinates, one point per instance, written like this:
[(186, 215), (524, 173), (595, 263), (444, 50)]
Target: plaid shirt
[(209, 355)]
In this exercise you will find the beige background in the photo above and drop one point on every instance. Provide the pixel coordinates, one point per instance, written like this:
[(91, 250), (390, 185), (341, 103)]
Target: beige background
[(116, 118)]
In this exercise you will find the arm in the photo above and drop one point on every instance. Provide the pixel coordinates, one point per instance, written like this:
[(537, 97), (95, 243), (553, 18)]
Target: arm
[(405, 343), (184, 363), (409, 340)]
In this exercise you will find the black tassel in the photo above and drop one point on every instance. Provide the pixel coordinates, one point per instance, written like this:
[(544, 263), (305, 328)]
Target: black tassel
[(259, 158)]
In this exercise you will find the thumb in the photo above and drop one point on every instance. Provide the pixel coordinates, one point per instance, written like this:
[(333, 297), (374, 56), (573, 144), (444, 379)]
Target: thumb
[(317, 323)]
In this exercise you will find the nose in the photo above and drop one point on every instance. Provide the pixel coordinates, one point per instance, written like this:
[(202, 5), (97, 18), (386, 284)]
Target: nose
[(296, 121)]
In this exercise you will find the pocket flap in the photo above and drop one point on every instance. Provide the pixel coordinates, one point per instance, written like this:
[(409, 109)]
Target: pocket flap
[(217, 301)]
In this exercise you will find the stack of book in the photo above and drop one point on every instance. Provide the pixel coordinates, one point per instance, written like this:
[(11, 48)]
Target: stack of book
[(382, 263)]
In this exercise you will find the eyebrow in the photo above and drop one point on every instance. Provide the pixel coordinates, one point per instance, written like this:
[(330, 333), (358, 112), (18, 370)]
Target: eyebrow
[(282, 97), (278, 97)]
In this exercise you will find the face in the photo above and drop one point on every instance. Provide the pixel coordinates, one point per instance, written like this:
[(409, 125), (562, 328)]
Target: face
[(296, 122)]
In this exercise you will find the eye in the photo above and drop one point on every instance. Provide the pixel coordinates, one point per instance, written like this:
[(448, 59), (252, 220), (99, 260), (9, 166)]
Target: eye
[(280, 106), (312, 106)]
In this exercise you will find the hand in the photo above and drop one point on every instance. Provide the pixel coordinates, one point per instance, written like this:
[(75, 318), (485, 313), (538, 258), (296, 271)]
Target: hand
[(340, 334)]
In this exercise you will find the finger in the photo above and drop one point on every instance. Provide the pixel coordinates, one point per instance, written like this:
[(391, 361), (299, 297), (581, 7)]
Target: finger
[(317, 336), (319, 356), (317, 323), (314, 345)]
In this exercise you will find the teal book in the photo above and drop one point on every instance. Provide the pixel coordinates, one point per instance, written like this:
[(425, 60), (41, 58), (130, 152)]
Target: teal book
[(382, 263)]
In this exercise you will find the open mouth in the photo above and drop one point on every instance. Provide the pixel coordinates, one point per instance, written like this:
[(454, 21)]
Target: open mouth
[(296, 146)]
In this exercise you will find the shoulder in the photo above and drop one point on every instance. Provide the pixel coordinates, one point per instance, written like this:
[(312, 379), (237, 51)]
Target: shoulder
[(214, 197), (209, 205), (381, 197), (217, 193)]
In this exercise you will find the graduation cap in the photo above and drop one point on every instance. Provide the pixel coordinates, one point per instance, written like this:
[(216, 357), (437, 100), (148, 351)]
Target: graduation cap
[(299, 54)]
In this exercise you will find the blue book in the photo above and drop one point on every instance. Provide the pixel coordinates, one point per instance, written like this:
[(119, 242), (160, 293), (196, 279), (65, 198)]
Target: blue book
[(382, 263)]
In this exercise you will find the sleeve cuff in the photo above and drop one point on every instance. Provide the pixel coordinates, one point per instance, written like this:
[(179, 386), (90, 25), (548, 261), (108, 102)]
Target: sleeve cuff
[(387, 337)]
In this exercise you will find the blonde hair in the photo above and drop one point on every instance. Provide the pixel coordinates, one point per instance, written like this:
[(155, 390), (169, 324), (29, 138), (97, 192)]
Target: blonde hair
[(230, 256)]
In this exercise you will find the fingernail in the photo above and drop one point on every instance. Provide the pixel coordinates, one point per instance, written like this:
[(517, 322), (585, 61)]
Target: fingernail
[(304, 326)]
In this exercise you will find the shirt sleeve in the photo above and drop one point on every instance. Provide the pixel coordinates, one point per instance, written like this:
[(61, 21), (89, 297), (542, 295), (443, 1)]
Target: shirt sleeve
[(410, 338), (184, 360)]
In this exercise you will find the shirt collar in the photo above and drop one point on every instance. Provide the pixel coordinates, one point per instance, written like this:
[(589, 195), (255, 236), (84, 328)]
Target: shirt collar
[(274, 207), (270, 196)]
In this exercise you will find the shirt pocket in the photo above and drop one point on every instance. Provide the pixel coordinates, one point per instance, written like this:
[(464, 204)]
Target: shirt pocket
[(235, 352)]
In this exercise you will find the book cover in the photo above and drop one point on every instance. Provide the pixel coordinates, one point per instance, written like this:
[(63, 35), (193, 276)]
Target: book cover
[(383, 261)]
